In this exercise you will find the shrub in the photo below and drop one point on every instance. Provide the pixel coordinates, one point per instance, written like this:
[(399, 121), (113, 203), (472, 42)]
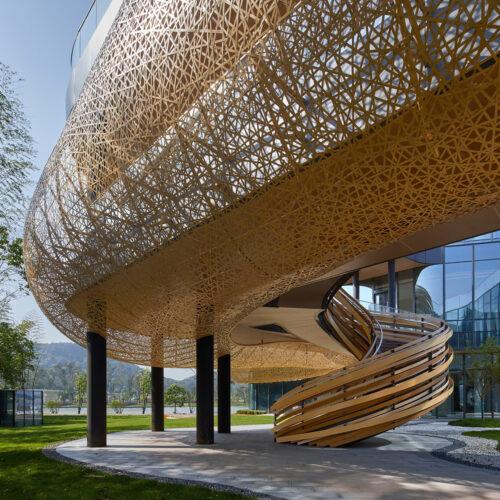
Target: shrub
[(53, 406), (117, 406), (250, 412)]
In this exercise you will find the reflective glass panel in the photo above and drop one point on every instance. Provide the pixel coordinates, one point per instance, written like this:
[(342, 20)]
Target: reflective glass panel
[(487, 277), (429, 290), (28, 408), (37, 408), (487, 300), (458, 254), (275, 392), (458, 287), (19, 408), (262, 397), (405, 290), (102, 6), (6, 408), (366, 292), (487, 251)]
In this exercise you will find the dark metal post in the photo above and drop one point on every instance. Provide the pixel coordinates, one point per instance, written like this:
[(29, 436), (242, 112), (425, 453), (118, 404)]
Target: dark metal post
[(205, 390), (96, 390), (355, 285), (391, 283), (224, 393), (157, 407)]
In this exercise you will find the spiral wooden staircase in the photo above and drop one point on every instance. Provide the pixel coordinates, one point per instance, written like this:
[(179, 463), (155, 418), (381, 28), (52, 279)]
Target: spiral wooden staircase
[(401, 373)]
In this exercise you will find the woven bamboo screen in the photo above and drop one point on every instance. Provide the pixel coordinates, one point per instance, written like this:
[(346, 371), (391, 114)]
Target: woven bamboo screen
[(222, 153)]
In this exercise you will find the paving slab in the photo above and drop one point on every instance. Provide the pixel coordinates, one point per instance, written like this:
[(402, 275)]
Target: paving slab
[(393, 465)]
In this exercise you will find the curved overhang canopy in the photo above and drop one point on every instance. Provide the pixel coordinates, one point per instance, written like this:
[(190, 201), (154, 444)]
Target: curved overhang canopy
[(223, 153)]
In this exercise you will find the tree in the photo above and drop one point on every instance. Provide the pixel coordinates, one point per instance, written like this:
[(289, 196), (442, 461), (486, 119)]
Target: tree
[(16, 164), (485, 368), (12, 275), (191, 400), (175, 395), (53, 406), (80, 389), (17, 352), (240, 394), (144, 377), (117, 406)]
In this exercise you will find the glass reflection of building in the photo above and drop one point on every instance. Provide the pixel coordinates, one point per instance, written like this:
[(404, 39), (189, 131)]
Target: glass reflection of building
[(21, 408), (459, 282)]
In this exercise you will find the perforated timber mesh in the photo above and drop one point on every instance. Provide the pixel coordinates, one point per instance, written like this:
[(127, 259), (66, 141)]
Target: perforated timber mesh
[(223, 153)]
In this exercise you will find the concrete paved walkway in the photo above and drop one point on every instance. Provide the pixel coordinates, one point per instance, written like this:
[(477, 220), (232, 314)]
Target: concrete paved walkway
[(393, 465)]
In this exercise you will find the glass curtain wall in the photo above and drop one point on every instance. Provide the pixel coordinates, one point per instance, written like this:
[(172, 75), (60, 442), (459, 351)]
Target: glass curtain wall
[(458, 282), (461, 283), (21, 408)]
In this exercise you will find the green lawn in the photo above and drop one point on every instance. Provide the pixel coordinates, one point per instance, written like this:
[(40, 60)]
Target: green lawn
[(25, 473), (485, 434), (476, 422)]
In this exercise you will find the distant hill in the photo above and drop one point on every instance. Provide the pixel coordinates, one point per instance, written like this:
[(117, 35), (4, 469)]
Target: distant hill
[(65, 352), (60, 354), (58, 362)]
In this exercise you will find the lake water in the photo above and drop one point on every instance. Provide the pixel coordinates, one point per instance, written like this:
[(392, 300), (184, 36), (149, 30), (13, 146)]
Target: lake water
[(168, 410)]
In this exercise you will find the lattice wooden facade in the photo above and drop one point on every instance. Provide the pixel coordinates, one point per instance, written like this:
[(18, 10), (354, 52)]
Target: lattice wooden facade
[(223, 153)]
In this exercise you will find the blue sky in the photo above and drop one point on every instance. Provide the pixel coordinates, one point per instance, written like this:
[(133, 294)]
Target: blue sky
[(36, 37)]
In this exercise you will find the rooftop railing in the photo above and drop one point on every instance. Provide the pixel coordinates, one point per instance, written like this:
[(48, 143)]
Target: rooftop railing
[(87, 28)]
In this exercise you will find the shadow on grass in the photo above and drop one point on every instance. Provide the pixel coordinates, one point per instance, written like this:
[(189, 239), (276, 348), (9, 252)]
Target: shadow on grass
[(26, 473)]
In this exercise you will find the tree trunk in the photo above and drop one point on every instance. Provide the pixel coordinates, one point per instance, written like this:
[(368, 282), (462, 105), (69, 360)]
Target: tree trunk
[(79, 409), (482, 408)]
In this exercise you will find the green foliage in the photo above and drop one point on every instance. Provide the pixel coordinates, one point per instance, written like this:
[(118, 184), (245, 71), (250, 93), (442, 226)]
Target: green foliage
[(25, 473), (80, 389), (250, 412), (12, 275), (486, 435), (53, 406), (240, 393), (17, 353), (16, 151), (191, 400), (475, 422), (117, 406), (485, 368), (175, 396), (144, 378), (16, 155), (59, 361)]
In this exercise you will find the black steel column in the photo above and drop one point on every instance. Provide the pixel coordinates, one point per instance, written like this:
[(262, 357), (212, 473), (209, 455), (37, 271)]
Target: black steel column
[(157, 407), (224, 393), (391, 283), (355, 285), (205, 390), (96, 390)]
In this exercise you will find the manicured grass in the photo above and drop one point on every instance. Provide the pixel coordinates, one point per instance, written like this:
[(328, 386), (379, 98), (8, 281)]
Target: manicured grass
[(476, 422), (235, 420), (25, 473), (485, 434)]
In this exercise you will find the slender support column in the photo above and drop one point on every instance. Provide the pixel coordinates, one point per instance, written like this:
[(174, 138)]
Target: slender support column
[(391, 283), (205, 390), (224, 394), (96, 390), (157, 419), (355, 285)]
